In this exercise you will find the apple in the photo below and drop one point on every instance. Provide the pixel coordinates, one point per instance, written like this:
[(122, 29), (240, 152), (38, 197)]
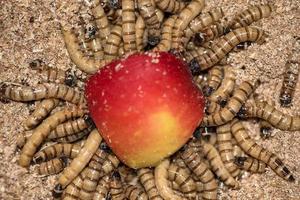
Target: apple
[(145, 106)]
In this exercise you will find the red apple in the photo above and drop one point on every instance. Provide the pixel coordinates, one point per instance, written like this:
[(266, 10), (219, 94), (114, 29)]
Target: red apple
[(145, 106)]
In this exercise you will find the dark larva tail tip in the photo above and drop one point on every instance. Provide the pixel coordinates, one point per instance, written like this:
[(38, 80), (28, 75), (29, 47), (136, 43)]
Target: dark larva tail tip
[(242, 112), (265, 132), (70, 78), (227, 30), (153, 40), (291, 178), (114, 4), (105, 147), (65, 160), (285, 100), (197, 133), (88, 120), (223, 102), (194, 67), (239, 161), (116, 175), (198, 39), (57, 191), (207, 91)]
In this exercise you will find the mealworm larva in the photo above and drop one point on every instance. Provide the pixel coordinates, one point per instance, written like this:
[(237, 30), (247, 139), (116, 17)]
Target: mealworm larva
[(225, 45), (170, 6), (265, 129), (182, 177), (201, 170), (263, 110), (147, 179), (214, 79), (53, 166), (147, 11), (42, 131), (258, 152), (202, 21), (75, 137), (135, 193), (70, 127), (217, 165), (250, 164), (233, 106), (128, 25), (140, 29), (41, 111), (226, 88), (161, 181), (57, 150), (113, 42), (78, 163), (252, 14), (41, 91), (96, 47), (166, 34), (190, 55), (102, 188), (225, 148), (182, 21), (116, 188), (85, 64)]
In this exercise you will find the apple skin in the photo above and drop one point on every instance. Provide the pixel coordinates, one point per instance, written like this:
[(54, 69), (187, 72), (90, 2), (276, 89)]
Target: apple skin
[(145, 106)]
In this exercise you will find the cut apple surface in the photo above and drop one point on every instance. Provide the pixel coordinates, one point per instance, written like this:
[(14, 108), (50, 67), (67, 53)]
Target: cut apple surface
[(145, 106)]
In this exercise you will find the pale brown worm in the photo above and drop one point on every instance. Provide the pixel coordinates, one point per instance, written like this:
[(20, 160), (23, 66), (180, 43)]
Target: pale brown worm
[(276, 118), (225, 44), (252, 14), (233, 106), (214, 79), (147, 179), (75, 137), (41, 91), (250, 164), (41, 111), (42, 131), (140, 28), (202, 171), (53, 166), (113, 42), (102, 188), (170, 6), (116, 187), (128, 25), (258, 152), (225, 148), (182, 21), (135, 193)]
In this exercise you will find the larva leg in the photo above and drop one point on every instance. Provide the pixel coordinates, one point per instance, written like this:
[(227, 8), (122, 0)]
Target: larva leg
[(225, 148), (102, 189), (78, 163), (225, 45), (42, 131), (256, 151), (135, 193), (184, 18), (201, 170), (250, 164), (116, 188), (161, 181), (182, 177), (233, 106), (140, 29), (128, 25), (71, 127), (214, 79), (113, 43), (146, 178), (217, 165), (53, 166), (57, 150), (252, 14), (170, 6), (41, 111)]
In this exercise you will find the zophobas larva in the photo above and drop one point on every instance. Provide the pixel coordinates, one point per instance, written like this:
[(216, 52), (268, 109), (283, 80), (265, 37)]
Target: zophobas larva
[(250, 164)]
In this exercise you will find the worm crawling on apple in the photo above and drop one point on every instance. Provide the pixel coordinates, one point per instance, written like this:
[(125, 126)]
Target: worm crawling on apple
[(142, 105)]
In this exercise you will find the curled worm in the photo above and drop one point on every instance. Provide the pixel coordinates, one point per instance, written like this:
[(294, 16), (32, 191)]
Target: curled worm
[(214, 79), (147, 179), (102, 188), (250, 164), (116, 187), (53, 166)]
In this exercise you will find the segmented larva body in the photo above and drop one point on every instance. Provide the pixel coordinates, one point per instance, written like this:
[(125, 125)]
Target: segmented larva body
[(85, 64), (72, 190), (110, 164), (40, 113), (217, 165), (135, 193), (191, 54), (116, 187), (83, 42), (203, 173), (212, 107), (225, 44), (182, 21), (78, 163), (170, 6), (102, 188), (74, 137), (42, 131), (263, 110), (23, 137), (166, 35), (53, 166), (214, 79), (202, 21), (128, 25), (41, 91), (252, 14), (182, 177), (121, 50), (233, 106), (57, 150), (140, 29), (94, 44), (250, 164), (200, 80), (146, 178), (147, 11), (226, 88), (258, 152), (225, 148), (161, 181), (113, 42)]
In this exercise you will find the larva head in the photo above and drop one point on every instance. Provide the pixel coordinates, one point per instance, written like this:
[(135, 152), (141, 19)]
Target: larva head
[(146, 106), (195, 67)]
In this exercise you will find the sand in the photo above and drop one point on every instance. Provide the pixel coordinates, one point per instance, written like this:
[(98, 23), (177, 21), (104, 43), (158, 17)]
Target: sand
[(30, 30)]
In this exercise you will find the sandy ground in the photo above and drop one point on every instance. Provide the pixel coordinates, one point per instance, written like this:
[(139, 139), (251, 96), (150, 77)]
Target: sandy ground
[(30, 30)]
